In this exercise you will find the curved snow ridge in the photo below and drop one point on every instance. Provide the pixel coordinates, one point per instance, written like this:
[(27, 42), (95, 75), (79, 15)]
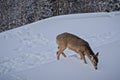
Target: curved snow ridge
[(83, 16)]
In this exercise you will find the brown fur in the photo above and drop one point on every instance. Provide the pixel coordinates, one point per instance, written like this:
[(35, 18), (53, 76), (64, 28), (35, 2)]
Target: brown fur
[(76, 44)]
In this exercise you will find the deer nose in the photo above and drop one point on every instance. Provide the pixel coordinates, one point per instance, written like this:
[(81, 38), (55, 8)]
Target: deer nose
[(95, 68)]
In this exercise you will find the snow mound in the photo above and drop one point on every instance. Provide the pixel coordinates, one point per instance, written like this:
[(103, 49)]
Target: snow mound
[(29, 52)]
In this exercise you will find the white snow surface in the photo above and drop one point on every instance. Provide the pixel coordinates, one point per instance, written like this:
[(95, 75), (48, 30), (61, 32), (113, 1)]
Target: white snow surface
[(29, 52)]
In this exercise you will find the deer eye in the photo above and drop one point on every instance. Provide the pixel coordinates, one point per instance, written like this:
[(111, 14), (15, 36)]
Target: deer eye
[(94, 62)]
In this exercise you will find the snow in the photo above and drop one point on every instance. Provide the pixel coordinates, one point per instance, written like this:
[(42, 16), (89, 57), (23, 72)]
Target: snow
[(29, 52)]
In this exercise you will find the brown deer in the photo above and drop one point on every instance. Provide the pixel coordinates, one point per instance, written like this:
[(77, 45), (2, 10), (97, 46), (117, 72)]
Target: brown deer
[(78, 45)]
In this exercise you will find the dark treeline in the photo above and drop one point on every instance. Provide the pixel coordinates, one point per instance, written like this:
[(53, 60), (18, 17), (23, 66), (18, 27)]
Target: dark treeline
[(15, 13)]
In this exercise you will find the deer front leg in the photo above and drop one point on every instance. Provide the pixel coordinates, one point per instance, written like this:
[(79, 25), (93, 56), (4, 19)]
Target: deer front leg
[(84, 59), (64, 54), (82, 56)]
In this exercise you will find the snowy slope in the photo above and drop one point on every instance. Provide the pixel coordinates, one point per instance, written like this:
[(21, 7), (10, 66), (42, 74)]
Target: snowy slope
[(29, 52), (72, 68)]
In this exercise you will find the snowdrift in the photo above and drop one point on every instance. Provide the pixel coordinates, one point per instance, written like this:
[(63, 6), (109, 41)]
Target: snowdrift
[(29, 52)]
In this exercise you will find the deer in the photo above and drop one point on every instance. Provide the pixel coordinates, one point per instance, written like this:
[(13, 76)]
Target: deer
[(78, 45)]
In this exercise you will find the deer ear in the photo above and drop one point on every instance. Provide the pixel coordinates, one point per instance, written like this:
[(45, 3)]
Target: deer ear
[(97, 54)]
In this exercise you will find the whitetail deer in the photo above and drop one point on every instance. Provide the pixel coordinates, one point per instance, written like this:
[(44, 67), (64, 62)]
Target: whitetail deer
[(80, 46)]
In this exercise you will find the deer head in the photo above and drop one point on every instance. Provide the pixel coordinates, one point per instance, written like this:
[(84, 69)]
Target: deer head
[(94, 60)]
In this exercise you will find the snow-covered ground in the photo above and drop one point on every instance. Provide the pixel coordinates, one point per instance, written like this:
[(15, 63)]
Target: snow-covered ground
[(29, 52)]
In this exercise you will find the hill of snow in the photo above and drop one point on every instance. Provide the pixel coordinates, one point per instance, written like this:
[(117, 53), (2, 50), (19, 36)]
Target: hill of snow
[(29, 52)]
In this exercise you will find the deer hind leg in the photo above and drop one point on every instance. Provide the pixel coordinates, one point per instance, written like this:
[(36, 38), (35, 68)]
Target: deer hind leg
[(63, 54), (60, 51)]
